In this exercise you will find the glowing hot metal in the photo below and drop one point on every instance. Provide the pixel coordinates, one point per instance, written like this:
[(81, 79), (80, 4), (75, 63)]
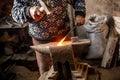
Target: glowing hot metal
[(60, 43)]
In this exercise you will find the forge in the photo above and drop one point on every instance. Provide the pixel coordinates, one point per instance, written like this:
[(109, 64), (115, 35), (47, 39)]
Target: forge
[(63, 56)]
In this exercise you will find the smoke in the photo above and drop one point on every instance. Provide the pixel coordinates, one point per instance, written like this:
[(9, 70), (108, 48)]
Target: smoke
[(107, 7)]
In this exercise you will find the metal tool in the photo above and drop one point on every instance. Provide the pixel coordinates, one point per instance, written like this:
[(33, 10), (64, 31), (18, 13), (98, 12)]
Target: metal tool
[(44, 6)]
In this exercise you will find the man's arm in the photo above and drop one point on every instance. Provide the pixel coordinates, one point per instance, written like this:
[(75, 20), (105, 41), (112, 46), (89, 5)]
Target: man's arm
[(80, 8), (25, 11), (80, 11), (20, 11)]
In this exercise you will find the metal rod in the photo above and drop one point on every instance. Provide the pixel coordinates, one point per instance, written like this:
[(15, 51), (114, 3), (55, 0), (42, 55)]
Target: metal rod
[(69, 32)]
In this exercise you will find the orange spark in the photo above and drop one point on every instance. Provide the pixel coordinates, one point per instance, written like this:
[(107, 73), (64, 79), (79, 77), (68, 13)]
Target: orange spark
[(60, 43)]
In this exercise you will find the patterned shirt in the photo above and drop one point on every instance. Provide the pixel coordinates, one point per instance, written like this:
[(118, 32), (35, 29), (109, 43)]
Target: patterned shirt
[(50, 27)]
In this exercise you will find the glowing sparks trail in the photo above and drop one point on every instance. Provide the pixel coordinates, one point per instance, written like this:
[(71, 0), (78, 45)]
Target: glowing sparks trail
[(60, 43)]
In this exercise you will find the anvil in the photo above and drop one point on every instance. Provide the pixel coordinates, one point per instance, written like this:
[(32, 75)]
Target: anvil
[(63, 57)]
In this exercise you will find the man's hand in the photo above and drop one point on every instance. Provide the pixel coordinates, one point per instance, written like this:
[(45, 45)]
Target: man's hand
[(79, 20), (37, 13)]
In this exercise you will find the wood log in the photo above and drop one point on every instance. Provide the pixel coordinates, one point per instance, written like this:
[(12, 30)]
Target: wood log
[(110, 50)]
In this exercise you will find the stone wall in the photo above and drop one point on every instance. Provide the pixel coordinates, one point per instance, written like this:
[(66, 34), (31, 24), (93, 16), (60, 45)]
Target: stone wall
[(93, 6), (109, 7)]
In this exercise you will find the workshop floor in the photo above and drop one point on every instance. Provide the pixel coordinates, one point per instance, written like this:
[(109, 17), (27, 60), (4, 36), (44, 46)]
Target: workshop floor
[(25, 74), (25, 67), (26, 71), (110, 74), (22, 73)]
